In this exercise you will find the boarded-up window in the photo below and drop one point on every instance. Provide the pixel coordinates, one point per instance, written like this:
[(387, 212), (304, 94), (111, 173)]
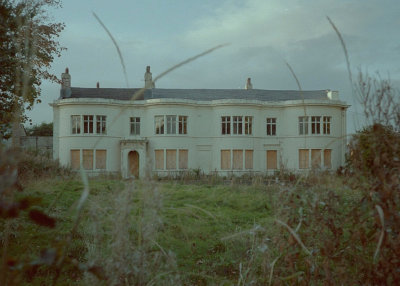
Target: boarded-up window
[(272, 159), (248, 159), (87, 158), (183, 159), (171, 159), (327, 158), (159, 156), (303, 158), (75, 159), (225, 159), (316, 158), (237, 159), (101, 156)]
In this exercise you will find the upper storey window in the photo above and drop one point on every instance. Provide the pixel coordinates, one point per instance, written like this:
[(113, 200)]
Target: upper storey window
[(182, 124), (271, 126), (76, 124), (226, 125), (135, 125), (174, 124), (241, 125), (89, 125), (303, 125), (159, 124), (100, 124), (327, 125), (316, 124)]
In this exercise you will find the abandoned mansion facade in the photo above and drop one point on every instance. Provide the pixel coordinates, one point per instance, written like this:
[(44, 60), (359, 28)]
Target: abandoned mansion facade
[(149, 131)]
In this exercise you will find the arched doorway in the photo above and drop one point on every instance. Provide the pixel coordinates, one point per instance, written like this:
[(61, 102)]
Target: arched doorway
[(133, 163)]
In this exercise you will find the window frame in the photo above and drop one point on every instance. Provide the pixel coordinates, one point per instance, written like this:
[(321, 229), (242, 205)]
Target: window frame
[(101, 124), (316, 125), (271, 126), (76, 124), (326, 125), (88, 124), (135, 125), (159, 124), (303, 125), (248, 125), (182, 124), (225, 125)]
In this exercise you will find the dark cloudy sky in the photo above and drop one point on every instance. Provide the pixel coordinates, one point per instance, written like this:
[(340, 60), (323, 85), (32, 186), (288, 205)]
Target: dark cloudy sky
[(263, 34)]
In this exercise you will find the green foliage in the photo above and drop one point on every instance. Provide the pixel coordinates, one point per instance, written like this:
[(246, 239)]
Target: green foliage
[(27, 47), (44, 129), (374, 149)]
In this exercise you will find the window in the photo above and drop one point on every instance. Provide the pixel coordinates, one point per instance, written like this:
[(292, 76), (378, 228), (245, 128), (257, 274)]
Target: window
[(182, 124), (87, 159), (101, 158), (75, 159), (303, 158), (272, 162), (159, 121), (327, 158), (248, 164), (248, 125), (226, 125), (271, 126), (171, 159), (183, 159), (159, 158), (76, 124), (88, 124), (237, 159), (327, 125), (171, 124), (315, 124), (303, 125), (135, 125), (237, 125), (225, 159), (316, 158), (100, 124)]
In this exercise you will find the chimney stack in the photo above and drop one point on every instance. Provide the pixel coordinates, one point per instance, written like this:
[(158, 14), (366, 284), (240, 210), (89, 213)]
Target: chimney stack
[(65, 84), (148, 79), (249, 84), (98, 85), (65, 79)]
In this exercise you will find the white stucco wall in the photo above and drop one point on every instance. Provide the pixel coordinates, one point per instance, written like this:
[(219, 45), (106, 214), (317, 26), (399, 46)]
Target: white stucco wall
[(204, 139)]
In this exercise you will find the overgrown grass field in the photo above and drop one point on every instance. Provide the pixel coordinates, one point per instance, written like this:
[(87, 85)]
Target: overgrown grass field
[(170, 233)]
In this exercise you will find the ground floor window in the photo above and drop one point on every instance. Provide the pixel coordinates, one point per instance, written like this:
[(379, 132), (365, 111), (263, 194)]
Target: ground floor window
[(75, 159), (225, 159), (233, 159), (174, 159), (248, 164), (303, 158), (272, 159), (316, 158), (183, 159), (91, 159), (327, 158)]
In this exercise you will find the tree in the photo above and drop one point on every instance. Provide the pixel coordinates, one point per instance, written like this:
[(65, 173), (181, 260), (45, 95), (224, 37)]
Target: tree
[(44, 129), (28, 46)]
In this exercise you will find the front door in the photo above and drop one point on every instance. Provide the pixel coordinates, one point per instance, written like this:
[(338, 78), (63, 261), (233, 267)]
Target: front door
[(133, 163)]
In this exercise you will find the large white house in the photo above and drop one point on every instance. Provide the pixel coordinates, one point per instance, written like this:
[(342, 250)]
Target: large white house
[(223, 131)]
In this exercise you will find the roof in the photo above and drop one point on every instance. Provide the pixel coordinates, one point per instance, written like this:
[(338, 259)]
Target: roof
[(195, 94)]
